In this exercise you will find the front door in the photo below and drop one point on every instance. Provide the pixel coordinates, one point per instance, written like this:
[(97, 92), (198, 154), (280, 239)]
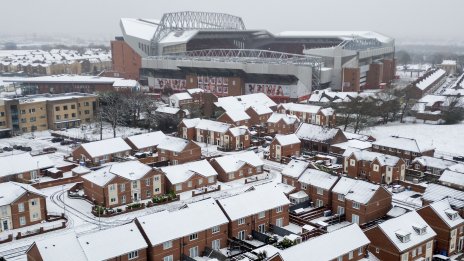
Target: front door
[(355, 219), (461, 244), (340, 210), (136, 196), (184, 132), (5, 226), (278, 152)]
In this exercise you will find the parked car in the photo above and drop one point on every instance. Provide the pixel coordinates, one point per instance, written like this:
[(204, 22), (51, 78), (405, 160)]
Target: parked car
[(440, 258), (25, 148), (17, 147), (50, 149), (398, 188), (66, 142), (1, 150), (7, 149), (141, 155), (57, 139), (268, 138)]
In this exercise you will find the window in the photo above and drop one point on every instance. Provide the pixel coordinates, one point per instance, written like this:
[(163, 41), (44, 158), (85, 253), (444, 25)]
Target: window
[(419, 250), (231, 176), (340, 258), (376, 167), (216, 244), (211, 180), (189, 184), (34, 202), (355, 219), (57, 108), (73, 106), (320, 191), (178, 187), (21, 207), (111, 187), (429, 244), (261, 214), (413, 253), (123, 199), (200, 181), (262, 228), (240, 173), (122, 187), (241, 235), (168, 258), (280, 222), (356, 205), (73, 115), (32, 119), (65, 107), (352, 162), (133, 254), (167, 245), (241, 221), (250, 171), (215, 229), (22, 221), (279, 209), (35, 216), (360, 251), (148, 193), (193, 252), (147, 182), (377, 250), (350, 255), (193, 236), (341, 197), (134, 184), (303, 186), (112, 200), (404, 257), (156, 178)]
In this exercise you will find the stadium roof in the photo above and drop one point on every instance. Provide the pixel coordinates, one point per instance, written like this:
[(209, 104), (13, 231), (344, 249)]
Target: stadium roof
[(342, 35)]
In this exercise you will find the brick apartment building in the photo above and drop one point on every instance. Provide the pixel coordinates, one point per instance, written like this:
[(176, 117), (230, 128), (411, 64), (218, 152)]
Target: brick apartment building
[(284, 146), (98, 152), (170, 236), (123, 183), (201, 130), (186, 128), (255, 209), (319, 139), (237, 166), (126, 62), (178, 151), (374, 167), (406, 148), (407, 237), (318, 186), (189, 176), (20, 205), (448, 225), (280, 123), (360, 201)]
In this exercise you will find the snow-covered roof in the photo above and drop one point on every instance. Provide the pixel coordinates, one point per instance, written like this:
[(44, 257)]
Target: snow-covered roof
[(298, 107), (431, 79), (181, 96), (448, 62), (285, 188), (191, 123), (261, 109), (288, 139), (195, 90), (106, 244), (328, 111), (404, 225), (139, 28), (315, 132), (356, 136), (443, 209), (434, 192), (430, 100), (244, 101), (396, 211), (452, 177), (299, 195), (61, 247), (67, 79), (173, 144), (43, 161), (344, 35), (318, 178), (165, 226), (237, 115), (384, 159), (123, 83), (328, 246), (106, 147), (459, 167), (11, 191), (131, 170), (238, 131), (167, 110), (295, 168), (147, 140), (252, 202), (80, 170), (288, 119), (180, 173), (401, 143), (100, 177), (234, 162), (353, 144), (210, 125), (356, 190), (16, 164), (433, 162)]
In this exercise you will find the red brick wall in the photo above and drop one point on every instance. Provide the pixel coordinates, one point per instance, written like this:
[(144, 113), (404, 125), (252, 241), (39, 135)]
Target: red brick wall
[(286, 151), (125, 60), (191, 152), (15, 214)]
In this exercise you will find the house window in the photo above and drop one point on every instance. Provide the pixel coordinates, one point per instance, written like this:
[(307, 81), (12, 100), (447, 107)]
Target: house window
[(419, 250), (280, 222), (279, 209), (193, 236), (355, 219), (241, 221), (200, 181), (215, 229), (231, 176), (178, 187), (413, 253), (147, 182), (35, 216), (320, 191), (193, 252), (148, 193), (167, 245), (240, 173), (134, 184), (241, 235), (429, 244), (189, 184), (211, 180), (156, 178), (376, 167), (216, 244), (133, 254), (350, 255), (175, 162), (261, 214), (341, 197), (250, 170), (112, 200), (21, 207), (352, 162), (404, 257), (340, 258), (168, 258), (111, 187), (22, 221), (122, 187), (360, 251), (123, 199), (356, 205), (303, 186)]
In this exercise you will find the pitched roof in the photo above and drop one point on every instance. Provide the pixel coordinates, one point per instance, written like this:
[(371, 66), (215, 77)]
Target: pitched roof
[(17, 163), (166, 226), (181, 96), (215, 126), (288, 119), (295, 168), (318, 178), (173, 144), (105, 147), (237, 115), (233, 162), (401, 143), (452, 177), (404, 225), (180, 173), (257, 200), (147, 140), (238, 131), (315, 132), (301, 107), (61, 247), (191, 123), (356, 190), (287, 139), (244, 101), (434, 192), (261, 109), (384, 159), (130, 170), (11, 191), (434, 162), (443, 209), (167, 110)]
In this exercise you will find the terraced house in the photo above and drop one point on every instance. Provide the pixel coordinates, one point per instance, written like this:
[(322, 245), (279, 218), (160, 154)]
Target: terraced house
[(306, 113), (98, 152), (237, 166), (178, 151), (189, 176)]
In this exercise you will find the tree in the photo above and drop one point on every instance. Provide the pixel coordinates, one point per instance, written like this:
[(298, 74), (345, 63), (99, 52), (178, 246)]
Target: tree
[(454, 110), (136, 104), (403, 57), (112, 109), (388, 105)]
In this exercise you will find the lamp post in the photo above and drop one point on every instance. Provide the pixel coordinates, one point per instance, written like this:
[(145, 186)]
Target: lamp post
[(64, 197)]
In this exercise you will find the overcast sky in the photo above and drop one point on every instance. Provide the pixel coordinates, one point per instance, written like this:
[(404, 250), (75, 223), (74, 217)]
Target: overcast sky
[(405, 20)]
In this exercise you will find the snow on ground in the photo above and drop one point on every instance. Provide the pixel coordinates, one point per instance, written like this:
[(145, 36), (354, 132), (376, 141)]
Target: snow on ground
[(92, 132), (445, 138)]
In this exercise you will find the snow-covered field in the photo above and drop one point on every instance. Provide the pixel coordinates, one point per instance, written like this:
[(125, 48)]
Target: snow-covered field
[(445, 138), (92, 132)]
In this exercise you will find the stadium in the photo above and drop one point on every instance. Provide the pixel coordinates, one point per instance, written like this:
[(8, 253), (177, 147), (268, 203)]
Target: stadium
[(216, 52)]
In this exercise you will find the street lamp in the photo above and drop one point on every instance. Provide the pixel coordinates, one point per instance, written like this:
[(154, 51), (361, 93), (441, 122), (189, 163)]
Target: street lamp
[(64, 197)]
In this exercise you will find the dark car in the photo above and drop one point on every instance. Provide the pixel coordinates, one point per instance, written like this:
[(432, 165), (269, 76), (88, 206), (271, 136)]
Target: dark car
[(7, 149), (57, 139), (17, 147), (50, 149), (66, 142), (25, 148)]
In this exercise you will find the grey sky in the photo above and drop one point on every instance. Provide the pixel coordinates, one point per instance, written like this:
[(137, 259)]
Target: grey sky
[(405, 20)]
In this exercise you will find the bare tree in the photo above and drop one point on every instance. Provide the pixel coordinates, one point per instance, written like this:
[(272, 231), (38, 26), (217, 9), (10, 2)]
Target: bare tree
[(112, 109), (453, 111)]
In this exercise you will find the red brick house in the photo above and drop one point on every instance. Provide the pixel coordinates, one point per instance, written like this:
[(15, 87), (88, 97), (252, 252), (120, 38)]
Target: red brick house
[(426, 165), (235, 117), (284, 146), (452, 179), (407, 237), (146, 142), (20, 205), (405, 148), (306, 113), (237, 166), (435, 192), (280, 123), (184, 232), (448, 225), (259, 114), (178, 100), (211, 132), (189, 176), (292, 172), (360, 201), (186, 128), (318, 138), (427, 83), (255, 209), (172, 112), (374, 167), (100, 245), (178, 151), (19, 167), (123, 183), (236, 138), (318, 186), (98, 152)]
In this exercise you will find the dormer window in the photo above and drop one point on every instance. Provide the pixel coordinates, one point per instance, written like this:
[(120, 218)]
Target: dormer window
[(403, 236), (452, 214), (420, 229)]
